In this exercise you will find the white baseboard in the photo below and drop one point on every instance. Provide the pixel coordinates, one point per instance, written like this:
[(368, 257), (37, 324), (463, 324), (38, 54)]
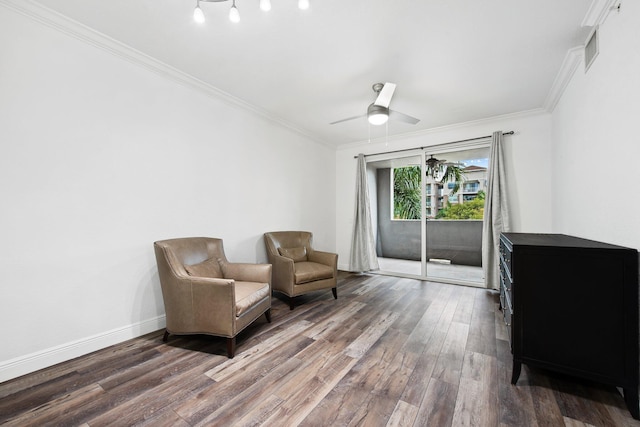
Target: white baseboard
[(29, 363)]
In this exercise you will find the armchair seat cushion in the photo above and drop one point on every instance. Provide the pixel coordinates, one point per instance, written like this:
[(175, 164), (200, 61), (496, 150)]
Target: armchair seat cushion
[(306, 271), (248, 294)]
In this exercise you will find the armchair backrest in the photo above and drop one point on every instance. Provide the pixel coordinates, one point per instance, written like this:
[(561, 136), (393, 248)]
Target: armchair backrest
[(193, 250), (287, 239)]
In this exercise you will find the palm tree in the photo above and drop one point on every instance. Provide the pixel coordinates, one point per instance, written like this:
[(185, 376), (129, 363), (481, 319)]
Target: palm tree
[(453, 173), (406, 192), (443, 173)]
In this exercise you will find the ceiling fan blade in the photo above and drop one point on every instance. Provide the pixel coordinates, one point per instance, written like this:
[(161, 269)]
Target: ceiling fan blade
[(401, 117), (347, 119), (384, 97)]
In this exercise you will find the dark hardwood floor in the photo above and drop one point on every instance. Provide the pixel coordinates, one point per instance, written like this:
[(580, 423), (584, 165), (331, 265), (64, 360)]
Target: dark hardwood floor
[(388, 352)]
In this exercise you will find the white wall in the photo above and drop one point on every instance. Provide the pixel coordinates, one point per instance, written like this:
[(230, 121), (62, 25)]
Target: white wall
[(99, 158), (527, 155), (596, 138)]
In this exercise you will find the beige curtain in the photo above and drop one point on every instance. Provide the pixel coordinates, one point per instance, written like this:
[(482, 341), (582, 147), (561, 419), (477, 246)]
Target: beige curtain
[(363, 244), (496, 213)]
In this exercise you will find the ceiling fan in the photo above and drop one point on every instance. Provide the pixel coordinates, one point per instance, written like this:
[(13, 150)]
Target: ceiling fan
[(378, 112), (436, 166), (432, 162)]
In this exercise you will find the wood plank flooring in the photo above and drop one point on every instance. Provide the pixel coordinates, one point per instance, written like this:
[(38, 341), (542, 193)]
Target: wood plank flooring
[(389, 352)]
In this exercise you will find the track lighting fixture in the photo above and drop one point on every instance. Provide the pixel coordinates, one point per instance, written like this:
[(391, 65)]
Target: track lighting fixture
[(234, 15), (303, 4), (265, 5), (198, 15)]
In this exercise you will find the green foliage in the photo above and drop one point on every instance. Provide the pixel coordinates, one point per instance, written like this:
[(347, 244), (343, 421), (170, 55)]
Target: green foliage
[(406, 195), (406, 192), (473, 209), (455, 174)]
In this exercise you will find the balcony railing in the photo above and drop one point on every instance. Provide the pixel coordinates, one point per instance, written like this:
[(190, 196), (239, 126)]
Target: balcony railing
[(458, 241)]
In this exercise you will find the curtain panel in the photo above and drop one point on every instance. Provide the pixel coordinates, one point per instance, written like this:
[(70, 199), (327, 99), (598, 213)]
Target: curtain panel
[(496, 213), (363, 245)]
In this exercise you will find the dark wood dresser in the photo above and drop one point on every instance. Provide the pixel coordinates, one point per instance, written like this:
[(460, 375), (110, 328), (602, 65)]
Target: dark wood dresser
[(571, 305)]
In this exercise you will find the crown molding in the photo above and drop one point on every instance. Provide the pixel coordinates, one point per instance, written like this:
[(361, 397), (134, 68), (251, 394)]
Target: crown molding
[(75, 29), (570, 64), (597, 12), (596, 15), (439, 129)]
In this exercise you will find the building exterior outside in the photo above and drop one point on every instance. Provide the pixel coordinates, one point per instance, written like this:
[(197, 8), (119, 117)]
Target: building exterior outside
[(438, 195)]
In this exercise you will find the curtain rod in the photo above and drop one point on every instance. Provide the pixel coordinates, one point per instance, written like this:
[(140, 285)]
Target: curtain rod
[(444, 143)]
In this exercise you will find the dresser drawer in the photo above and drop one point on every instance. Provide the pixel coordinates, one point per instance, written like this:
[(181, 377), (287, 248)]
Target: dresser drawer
[(505, 255), (507, 322), (507, 310), (505, 281)]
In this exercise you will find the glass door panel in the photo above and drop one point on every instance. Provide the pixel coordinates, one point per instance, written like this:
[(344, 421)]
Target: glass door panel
[(396, 198), (455, 188)]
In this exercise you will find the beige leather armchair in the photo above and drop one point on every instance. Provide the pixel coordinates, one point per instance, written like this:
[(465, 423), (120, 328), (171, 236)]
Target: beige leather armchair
[(297, 267), (203, 293)]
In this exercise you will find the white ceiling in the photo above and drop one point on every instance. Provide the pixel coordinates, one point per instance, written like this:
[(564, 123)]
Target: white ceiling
[(453, 60)]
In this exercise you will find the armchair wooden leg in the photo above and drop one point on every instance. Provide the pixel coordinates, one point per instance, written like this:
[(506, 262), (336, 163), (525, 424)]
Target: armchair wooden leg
[(335, 292), (291, 303), (165, 338), (231, 347), (267, 314)]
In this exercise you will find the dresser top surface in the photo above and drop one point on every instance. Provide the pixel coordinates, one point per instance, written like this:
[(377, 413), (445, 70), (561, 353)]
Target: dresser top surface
[(556, 240)]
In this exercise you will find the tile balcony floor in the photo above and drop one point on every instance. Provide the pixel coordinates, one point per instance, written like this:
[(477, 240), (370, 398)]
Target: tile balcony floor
[(470, 275)]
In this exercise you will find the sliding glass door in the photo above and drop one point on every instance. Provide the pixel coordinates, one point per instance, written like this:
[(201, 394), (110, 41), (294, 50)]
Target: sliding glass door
[(427, 208)]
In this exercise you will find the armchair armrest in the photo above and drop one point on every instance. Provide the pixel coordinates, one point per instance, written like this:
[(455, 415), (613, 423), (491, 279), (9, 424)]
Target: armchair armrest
[(190, 299), (215, 291), (326, 258), (247, 272), (282, 273), (212, 306)]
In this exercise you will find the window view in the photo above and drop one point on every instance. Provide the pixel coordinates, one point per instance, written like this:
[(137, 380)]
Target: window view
[(459, 188)]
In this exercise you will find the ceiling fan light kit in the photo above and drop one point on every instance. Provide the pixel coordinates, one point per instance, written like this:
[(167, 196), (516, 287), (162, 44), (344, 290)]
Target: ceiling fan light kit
[(234, 14), (378, 113)]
